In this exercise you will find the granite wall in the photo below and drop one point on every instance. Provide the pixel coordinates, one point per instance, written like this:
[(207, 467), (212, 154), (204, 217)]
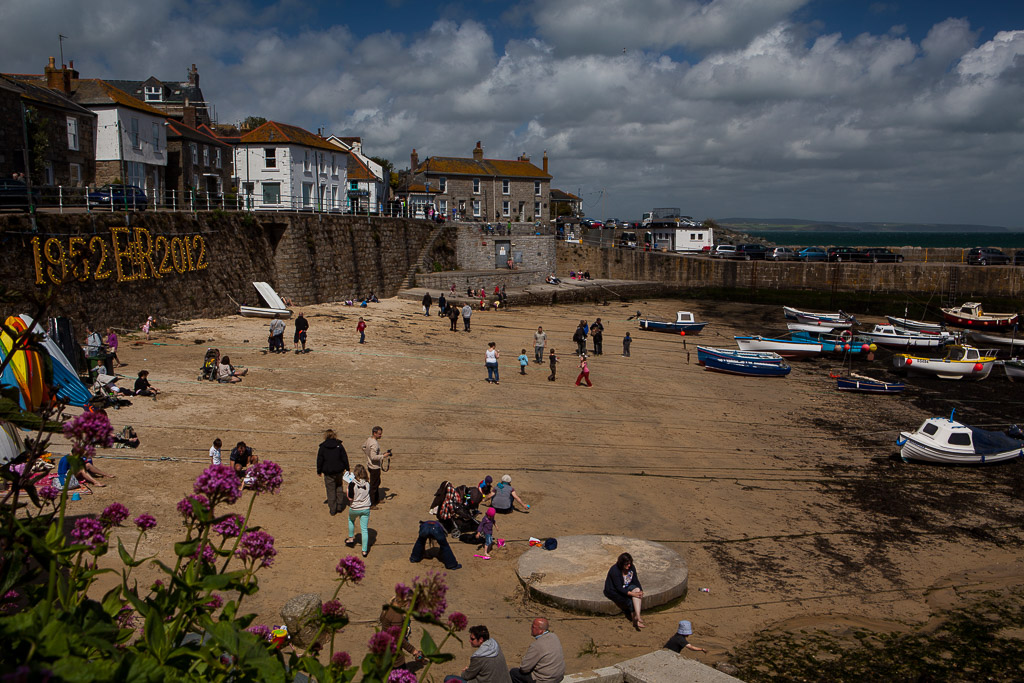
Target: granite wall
[(478, 251), (115, 269)]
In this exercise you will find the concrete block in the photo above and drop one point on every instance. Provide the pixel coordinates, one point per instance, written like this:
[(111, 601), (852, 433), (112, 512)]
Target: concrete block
[(665, 666), (608, 674)]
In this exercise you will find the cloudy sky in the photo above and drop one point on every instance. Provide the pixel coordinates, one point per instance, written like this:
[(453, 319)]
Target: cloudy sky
[(823, 109)]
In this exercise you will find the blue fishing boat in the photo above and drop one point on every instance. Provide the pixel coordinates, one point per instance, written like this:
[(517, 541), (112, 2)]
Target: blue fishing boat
[(747, 368), (868, 385), (705, 352), (684, 323), (834, 343)]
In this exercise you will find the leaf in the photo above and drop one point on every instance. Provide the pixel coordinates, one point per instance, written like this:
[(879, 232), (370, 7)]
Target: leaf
[(213, 582), (186, 548), (427, 644), (155, 634), (251, 653), (125, 557)]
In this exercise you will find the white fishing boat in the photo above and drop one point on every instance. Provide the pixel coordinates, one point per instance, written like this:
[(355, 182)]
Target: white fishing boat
[(997, 339), (888, 335), (787, 348), (945, 440), (906, 323), (961, 362), (836, 320), (815, 327)]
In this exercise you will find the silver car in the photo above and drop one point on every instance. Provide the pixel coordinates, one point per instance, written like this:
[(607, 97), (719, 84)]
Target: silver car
[(724, 251), (782, 254)]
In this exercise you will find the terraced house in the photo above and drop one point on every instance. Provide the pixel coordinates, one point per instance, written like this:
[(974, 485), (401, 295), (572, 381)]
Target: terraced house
[(481, 189)]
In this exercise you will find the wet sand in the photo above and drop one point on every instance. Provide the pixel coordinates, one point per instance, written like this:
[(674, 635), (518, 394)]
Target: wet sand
[(781, 494)]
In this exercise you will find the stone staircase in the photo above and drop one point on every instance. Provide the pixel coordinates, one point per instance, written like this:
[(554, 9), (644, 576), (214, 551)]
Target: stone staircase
[(421, 259)]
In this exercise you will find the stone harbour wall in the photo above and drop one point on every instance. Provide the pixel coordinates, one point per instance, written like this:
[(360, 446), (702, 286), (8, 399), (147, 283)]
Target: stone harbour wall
[(115, 268), (478, 251)]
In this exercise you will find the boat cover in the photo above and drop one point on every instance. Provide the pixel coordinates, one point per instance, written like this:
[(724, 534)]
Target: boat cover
[(269, 296), (989, 443)]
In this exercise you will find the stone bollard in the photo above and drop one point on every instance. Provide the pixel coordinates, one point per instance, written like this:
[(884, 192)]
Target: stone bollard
[(301, 615)]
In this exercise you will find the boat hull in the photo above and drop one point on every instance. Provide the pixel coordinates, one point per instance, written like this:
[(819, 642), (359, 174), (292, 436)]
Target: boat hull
[(704, 352), (254, 312), (943, 369), (981, 323), (1014, 370), (914, 325), (747, 368), (869, 386), (915, 449), (672, 328), (784, 347)]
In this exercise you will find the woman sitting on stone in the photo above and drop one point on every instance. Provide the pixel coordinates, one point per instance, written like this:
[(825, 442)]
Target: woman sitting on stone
[(622, 586)]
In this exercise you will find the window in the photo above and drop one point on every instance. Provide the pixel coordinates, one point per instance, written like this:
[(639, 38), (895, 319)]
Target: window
[(442, 206), (504, 208), (271, 193), (305, 163), (194, 148), (216, 157), (476, 188), (536, 188), (206, 155), (476, 207), (334, 195), (156, 137), (536, 209), (334, 166), (134, 134), (506, 187), (959, 439), (442, 184), (270, 155), (76, 175), (307, 194), (353, 185), (154, 93), (136, 174), (72, 133)]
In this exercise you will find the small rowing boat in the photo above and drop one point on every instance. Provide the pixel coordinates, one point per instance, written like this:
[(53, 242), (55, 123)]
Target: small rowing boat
[(684, 322)]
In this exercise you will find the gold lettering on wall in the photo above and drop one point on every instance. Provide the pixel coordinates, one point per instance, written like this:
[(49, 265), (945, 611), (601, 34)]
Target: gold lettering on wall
[(135, 253)]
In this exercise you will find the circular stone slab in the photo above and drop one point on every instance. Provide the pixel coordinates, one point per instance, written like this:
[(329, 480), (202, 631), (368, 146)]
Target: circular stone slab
[(573, 574)]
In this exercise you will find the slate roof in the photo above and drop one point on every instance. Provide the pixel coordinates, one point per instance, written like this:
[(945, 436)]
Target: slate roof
[(498, 168), (175, 92), (177, 129), (97, 92), (34, 92), (273, 131), (563, 196)]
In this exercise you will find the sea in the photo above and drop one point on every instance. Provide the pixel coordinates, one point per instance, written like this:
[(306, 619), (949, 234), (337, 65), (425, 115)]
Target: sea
[(851, 238)]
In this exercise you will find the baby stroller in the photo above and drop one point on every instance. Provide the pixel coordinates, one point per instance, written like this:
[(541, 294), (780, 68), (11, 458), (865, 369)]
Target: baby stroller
[(210, 363), (451, 510)]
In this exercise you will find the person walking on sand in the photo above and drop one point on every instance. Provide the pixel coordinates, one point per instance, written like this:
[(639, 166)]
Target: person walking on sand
[(580, 338), (540, 340), (467, 312), (427, 301), (301, 325), (597, 333), (584, 375), (491, 361), (332, 463), (524, 360), (359, 508), (361, 329), (552, 361), (626, 341), (374, 459), (453, 316)]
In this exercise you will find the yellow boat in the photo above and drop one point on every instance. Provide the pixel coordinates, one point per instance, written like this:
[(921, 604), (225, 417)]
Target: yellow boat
[(28, 367), (961, 362)]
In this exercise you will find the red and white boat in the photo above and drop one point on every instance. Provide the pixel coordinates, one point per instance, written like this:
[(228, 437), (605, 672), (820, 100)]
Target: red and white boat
[(971, 315)]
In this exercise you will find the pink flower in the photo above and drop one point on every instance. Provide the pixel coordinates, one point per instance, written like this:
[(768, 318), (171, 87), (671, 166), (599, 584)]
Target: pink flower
[(402, 591), (401, 676), (260, 630), (219, 483), (185, 506), (332, 608), (145, 522), (215, 602), (205, 553), (257, 546), (230, 527), (49, 492), (431, 599), (267, 476), (457, 621), (351, 568), (87, 431), (114, 514), (88, 531), (381, 642), (342, 660)]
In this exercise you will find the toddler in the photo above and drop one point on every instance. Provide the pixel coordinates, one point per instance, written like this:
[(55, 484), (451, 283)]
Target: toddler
[(524, 360)]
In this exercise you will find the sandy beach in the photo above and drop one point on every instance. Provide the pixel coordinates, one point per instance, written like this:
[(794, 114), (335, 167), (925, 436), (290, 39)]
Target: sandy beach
[(782, 494)]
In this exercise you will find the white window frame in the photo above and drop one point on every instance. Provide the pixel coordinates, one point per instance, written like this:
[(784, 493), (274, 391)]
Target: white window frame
[(307, 195), (442, 206), (536, 210), (442, 184), (134, 133), (306, 167), (217, 158), (154, 93), (206, 155), (72, 133), (194, 148), (476, 208), (506, 208), (75, 173), (476, 188), (270, 159), (506, 187), (536, 188)]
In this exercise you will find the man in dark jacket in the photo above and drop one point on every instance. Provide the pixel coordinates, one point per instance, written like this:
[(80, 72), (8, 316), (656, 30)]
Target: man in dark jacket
[(332, 463), (301, 325), (427, 301)]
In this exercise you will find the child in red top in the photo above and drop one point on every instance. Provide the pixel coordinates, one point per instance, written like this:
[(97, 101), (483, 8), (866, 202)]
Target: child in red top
[(361, 329)]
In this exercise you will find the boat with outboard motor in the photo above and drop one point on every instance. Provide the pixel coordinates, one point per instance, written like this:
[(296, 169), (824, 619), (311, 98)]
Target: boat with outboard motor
[(961, 362), (944, 440), (972, 315)]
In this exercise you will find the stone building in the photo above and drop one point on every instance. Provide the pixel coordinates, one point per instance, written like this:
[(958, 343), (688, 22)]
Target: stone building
[(61, 134), (479, 189), (179, 100), (197, 163), (565, 204)]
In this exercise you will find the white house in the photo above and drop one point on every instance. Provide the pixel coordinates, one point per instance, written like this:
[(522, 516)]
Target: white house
[(673, 232), (367, 186), (280, 167)]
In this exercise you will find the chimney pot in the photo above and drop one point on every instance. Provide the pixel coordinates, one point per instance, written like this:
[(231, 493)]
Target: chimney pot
[(478, 152), (545, 161)]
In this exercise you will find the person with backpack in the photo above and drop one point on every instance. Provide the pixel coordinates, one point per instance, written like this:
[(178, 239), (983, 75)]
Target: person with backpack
[(331, 464)]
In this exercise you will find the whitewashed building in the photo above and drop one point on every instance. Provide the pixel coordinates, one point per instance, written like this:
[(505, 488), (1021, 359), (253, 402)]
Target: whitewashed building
[(673, 232), (282, 167), (367, 189)]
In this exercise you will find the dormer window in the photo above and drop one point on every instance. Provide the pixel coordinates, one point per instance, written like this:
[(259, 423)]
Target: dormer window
[(154, 93)]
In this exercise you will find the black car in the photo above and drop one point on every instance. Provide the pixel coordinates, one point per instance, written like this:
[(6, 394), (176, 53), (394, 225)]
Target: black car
[(839, 254), (122, 196), (14, 194), (882, 255), (984, 256), (751, 252)]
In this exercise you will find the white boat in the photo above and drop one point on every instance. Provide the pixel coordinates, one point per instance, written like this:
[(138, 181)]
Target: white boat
[(944, 440), (841, 318), (888, 335), (1014, 369), (905, 323), (787, 348), (827, 322), (961, 362), (999, 340), (815, 327), (275, 306)]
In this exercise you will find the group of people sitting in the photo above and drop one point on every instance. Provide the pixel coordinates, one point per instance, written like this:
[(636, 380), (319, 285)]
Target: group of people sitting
[(579, 274)]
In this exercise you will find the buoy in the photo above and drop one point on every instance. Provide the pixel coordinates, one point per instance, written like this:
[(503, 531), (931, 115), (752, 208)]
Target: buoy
[(846, 347), (865, 348), (682, 333), (873, 347), (910, 361), (978, 367)]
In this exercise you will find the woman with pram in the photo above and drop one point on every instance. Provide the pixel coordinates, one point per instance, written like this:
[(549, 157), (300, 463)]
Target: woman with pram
[(451, 510)]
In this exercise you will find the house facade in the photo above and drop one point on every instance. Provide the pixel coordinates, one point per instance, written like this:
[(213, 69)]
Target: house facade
[(279, 167), (61, 135), (179, 100), (565, 204), (367, 185), (198, 165), (480, 189)]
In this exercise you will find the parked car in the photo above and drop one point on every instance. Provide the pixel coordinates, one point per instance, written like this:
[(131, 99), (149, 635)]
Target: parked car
[(812, 254), (882, 255), (723, 251), (984, 256), (1018, 258), (751, 252), (123, 196), (611, 223), (839, 254), (14, 194), (782, 254)]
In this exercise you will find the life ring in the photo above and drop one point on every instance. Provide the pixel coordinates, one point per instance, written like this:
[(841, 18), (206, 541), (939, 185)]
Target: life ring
[(846, 336)]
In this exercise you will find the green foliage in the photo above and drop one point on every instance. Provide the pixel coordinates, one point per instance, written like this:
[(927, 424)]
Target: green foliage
[(253, 121)]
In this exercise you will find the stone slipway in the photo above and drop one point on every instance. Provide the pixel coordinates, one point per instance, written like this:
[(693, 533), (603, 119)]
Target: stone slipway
[(572, 576)]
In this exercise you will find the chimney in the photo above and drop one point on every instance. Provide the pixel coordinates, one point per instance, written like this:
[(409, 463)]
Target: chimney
[(414, 160), (54, 78), (524, 157), (193, 77), (478, 152), (545, 161), (188, 115)]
